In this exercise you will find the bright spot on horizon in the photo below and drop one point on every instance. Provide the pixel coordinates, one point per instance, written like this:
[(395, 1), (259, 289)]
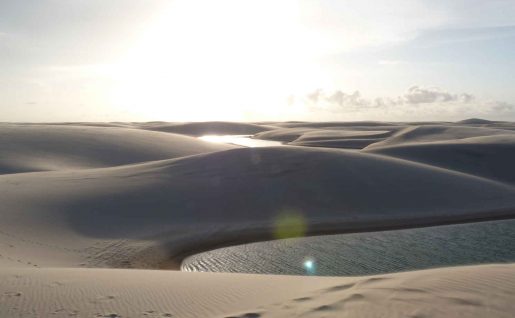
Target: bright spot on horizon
[(241, 140), (220, 139)]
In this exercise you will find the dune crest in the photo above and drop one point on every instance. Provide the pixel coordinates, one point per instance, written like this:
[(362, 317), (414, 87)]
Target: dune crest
[(28, 148)]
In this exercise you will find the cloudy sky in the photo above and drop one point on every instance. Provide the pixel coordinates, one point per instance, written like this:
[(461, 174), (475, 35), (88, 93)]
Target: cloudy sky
[(138, 60)]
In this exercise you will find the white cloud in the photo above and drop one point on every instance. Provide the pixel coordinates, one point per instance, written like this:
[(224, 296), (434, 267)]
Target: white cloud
[(418, 103), (419, 95)]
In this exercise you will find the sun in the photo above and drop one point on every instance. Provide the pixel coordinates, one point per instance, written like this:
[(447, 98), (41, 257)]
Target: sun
[(209, 60)]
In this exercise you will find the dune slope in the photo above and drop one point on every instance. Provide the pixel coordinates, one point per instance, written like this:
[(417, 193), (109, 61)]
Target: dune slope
[(478, 291), (183, 203), (486, 156), (207, 128), (432, 133), (26, 148)]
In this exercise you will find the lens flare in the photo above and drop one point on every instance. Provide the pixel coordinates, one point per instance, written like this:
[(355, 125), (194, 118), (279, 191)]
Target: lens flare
[(310, 266), (289, 224)]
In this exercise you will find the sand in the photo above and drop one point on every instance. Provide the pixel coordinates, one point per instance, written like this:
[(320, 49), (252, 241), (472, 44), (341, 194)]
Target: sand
[(208, 128), (81, 201), (27, 148), (478, 291)]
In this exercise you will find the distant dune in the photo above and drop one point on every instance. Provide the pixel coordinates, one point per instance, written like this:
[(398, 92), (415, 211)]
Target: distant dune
[(26, 148), (433, 133), (207, 128), (486, 156)]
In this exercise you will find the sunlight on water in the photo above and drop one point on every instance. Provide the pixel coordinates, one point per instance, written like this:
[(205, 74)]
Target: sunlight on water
[(240, 140), (309, 266)]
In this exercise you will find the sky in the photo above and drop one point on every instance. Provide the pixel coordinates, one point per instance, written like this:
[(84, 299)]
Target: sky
[(237, 60)]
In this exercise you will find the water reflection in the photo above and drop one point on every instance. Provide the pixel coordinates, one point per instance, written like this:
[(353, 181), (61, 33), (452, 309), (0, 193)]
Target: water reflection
[(309, 266), (240, 140), (367, 253)]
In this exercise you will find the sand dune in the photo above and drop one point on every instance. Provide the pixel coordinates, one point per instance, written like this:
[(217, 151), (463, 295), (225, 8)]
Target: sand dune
[(337, 136), (207, 128), (476, 121), (319, 135), (358, 135), (78, 196), (238, 194), (327, 133), (346, 143), (479, 291), (283, 134), (26, 148), (486, 156), (431, 133), (336, 124)]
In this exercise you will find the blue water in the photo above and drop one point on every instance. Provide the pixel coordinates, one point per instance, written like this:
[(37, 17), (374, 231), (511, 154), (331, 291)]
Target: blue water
[(367, 253)]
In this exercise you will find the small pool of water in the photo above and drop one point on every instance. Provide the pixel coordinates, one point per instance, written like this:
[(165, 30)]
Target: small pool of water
[(240, 140), (367, 253)]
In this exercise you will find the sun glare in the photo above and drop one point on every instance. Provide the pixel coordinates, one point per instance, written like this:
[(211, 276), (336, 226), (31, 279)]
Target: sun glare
[(230, 60)]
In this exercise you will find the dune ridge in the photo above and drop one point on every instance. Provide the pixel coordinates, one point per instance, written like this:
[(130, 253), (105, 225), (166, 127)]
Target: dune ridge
[(28, 148), (207, 128)]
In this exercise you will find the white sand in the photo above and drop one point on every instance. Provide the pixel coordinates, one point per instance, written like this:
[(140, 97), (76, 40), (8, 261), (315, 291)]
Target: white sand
[(91, 211), (26, 148), (236, 194), (207, 128), (486, 156), (480, 291), (433, 133)]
